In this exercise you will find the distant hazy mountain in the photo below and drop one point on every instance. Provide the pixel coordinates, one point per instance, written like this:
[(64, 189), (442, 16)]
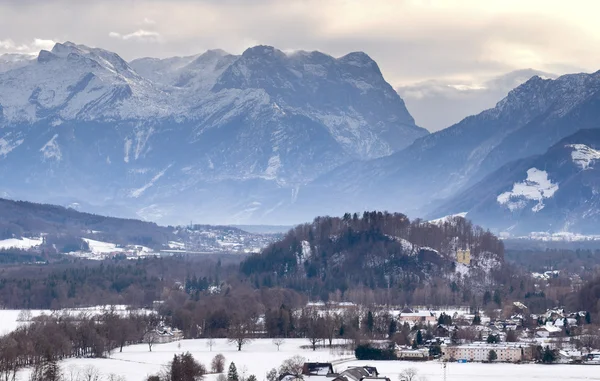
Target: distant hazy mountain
[(438, 104), (553, 192), (212, 137), (532, 118)]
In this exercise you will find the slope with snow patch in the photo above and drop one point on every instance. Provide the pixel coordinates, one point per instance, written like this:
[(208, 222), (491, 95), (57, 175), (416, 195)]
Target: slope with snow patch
[(20, 243), (536, 187), (583, 155)]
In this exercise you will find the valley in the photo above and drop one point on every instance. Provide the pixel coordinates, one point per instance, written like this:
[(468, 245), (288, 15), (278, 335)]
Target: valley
[(172, 211)]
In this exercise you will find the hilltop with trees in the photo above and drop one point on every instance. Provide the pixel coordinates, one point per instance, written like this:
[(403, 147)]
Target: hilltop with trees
[(377, 250)]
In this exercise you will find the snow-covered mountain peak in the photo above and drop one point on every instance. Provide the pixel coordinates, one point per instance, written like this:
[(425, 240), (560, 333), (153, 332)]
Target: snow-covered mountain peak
[(264, 52), (539, 94), (358, 59), (77, 82)]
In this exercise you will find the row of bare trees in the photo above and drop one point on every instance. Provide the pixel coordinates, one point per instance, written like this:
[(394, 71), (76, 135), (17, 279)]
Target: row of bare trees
[(47, 339)]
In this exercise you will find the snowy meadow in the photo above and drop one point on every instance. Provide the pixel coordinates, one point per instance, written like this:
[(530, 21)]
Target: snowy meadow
[(136, 363)]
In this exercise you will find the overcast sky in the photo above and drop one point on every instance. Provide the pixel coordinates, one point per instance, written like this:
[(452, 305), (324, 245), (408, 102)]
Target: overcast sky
[(461, 41)]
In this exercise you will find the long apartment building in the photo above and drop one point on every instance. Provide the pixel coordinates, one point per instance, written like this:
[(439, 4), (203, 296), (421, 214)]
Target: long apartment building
[(477, 352)]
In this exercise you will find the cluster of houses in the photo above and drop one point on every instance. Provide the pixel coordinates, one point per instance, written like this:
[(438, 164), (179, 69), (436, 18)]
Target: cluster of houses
[(315, 371), (495, 336)]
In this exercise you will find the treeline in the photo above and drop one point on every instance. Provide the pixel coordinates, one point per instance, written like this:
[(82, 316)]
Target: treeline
[(375, 250), (588, 298), (80, 283), (43, 341), (16, 256)]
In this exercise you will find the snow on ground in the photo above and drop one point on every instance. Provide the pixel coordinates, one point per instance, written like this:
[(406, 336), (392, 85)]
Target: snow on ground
[(561, 237), (20, 243), (433, 371), (536, 187), (176, 245), (99, 247), (258, 357), (447, 218), (9, 319)]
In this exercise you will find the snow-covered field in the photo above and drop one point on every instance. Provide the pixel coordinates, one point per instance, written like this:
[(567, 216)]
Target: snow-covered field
[(258, 357), (20, 243), (99, 247), (9, 319)]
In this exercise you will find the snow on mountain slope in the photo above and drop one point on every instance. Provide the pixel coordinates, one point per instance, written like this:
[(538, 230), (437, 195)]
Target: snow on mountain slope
[(76, 82), (536, 187), (583, 155), (520, 198), (20, 243), (197, 73), (9, 61)]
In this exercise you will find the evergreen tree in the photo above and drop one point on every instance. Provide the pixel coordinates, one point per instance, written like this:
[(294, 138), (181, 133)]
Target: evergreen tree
[(588, 318), (492, 356), (51, 371), (477, 319), (393, 328), (251, 378), (497, 298), (232, 374), (370, 321), (419, 338), (549, 356), (487, 297), (435, 350), (414, 344)]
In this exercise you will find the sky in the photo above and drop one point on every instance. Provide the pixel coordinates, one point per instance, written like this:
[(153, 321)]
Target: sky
[(462, 43)]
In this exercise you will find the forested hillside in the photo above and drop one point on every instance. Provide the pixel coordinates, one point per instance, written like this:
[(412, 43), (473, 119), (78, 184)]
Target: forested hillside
[(377, 250), (20, 218)]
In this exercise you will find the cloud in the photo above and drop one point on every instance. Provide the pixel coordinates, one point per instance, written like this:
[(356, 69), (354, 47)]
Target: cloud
[(9, 46), (39, 43), (453, 101), (456, 41), (140, 34)]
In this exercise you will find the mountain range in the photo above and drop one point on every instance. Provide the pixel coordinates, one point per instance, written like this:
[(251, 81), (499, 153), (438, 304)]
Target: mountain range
[(262, 137), (213, 136), (531, 119)]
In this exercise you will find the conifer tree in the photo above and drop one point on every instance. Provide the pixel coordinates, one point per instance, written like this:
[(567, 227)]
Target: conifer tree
[(232, 374)]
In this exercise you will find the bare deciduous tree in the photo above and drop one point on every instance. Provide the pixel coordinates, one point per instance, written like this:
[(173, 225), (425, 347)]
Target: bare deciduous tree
[(210, 343), (218, 364), (278, 342), (239, 334), (90, 373), (409, 374), (292, 365)]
